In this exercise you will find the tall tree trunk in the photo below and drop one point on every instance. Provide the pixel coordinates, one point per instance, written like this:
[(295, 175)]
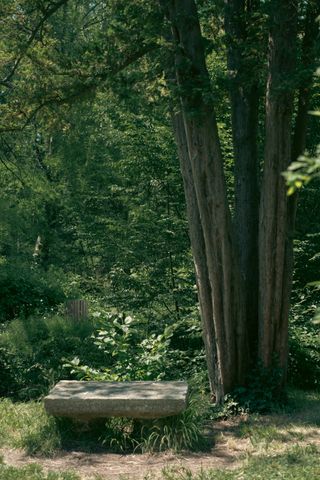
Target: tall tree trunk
[(274, 244), (198, 249), (225, 257), (308, 64), (244, 108), (204, 154)]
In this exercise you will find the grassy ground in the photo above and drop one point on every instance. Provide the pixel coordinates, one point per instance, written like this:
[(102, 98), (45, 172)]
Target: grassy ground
[(285, 445), (33, 472), (26, 425), (298, 463)]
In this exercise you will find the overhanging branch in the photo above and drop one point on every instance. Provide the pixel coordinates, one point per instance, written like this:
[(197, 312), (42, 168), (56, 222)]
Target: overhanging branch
[(77, 90), (51, 9)]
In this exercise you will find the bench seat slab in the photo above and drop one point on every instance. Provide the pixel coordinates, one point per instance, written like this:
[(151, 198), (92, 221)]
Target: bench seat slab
[(89, 400)]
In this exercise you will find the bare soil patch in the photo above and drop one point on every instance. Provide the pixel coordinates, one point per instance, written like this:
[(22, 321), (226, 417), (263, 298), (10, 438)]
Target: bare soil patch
[(116, 466)]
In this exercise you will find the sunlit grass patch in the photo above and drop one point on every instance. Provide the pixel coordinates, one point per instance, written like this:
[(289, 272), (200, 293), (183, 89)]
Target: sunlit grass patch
[(296, 463), (33, 472), (26, 425), (298, 423)]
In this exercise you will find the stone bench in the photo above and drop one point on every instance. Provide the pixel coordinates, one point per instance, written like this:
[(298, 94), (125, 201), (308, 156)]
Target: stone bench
[(89, 400)]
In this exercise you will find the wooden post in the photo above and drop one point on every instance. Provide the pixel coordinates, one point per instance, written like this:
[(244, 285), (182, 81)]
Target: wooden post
[(77, 309)]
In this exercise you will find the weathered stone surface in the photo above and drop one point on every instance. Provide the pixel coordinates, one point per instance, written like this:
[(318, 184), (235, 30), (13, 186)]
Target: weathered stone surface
[(88, 400)]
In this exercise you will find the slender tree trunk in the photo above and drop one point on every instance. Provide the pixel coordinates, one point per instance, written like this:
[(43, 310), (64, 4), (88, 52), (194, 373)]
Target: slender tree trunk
[(198, 249), (274, 244), (308, 64), (244, 108)]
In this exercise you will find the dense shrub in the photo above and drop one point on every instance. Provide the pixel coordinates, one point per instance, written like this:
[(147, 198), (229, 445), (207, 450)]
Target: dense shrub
[(37, 351), (304, 357), (304, 342), (132, 353), (33, 350), (263, 392), (26, 289)]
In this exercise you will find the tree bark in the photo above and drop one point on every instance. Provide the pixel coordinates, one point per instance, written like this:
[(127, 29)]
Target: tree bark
[(244, 109), (198, 249), (204, 154), (234, 288), (274, 244), (308, 64)]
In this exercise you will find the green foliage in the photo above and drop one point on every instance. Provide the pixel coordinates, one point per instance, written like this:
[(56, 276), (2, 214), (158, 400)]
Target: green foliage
[(263, 392), (39, 350), (32, 352), (304, 345), (127, 355), (306, 167), (301, 172), (130, 352), (26, 289)]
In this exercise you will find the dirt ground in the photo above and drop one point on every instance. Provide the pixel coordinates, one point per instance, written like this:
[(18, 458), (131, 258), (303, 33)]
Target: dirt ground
[(228, 451), (224, 454)]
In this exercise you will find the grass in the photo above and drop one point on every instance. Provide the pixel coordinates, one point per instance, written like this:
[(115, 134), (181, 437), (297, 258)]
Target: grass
[(299, 423), (285, 445), (297, 463), (33, 472), (26, 425)]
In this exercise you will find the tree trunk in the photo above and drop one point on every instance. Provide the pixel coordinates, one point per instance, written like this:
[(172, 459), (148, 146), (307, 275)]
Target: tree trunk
[(244, 302), (274, 244), (198, 249), (244, 108), (308, 64), (220, 272)]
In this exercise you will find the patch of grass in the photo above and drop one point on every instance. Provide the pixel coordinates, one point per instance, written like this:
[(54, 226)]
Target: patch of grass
[(266, 434), (297, 423), (33, 472), (305, 405), (297, 463), (26, 425)]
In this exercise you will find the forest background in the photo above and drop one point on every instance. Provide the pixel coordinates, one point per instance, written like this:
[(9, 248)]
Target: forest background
[(92, 202)]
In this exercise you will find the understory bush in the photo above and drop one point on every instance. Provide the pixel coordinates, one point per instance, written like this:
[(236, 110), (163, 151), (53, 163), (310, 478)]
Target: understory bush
[(32, 351), (130, 352), (26, 289), (37, 351), (263, 392), (304, 344)]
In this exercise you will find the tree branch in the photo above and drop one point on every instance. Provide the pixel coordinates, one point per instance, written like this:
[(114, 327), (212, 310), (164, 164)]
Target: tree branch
[(47, 14), (78, 90)]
